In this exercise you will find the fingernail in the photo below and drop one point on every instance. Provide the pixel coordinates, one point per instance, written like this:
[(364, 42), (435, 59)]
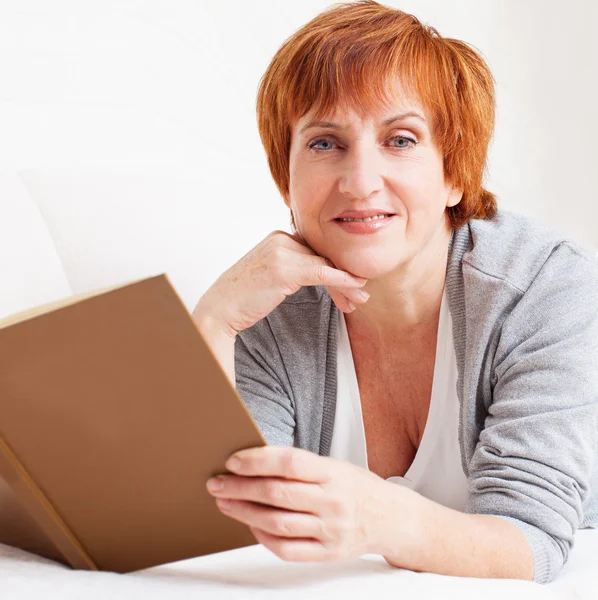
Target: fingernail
[(232, 464), (360, 280), (351, 305), (223, 503), (363, 294), (215, 484)]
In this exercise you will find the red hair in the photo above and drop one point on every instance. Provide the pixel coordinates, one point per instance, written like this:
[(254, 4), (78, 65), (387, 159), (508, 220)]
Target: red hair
[(352, 54)]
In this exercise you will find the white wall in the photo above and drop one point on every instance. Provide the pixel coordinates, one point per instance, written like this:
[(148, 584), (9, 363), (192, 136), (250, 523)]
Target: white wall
[(168, 86)]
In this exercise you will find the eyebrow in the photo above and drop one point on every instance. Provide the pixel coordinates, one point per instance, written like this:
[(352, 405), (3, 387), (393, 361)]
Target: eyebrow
[(385, 123)]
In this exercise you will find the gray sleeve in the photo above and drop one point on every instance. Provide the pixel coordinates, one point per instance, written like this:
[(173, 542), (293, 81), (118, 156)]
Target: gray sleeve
[(262, 384), (534, 460)]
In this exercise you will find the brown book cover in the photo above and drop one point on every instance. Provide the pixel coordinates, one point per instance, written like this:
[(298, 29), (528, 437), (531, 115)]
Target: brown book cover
[(113, 415)]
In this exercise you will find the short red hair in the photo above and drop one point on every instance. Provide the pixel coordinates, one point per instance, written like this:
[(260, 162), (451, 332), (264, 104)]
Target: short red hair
[(352, 54)]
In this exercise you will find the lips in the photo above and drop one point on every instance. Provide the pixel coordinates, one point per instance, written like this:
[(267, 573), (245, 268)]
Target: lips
[(363, 214), (364, 226)]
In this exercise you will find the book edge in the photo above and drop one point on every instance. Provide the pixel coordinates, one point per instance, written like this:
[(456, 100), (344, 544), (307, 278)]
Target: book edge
[(205, 343), (41, 510), (49, 307)]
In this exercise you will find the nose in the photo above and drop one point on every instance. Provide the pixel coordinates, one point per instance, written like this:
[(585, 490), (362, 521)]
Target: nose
[(362, 171)]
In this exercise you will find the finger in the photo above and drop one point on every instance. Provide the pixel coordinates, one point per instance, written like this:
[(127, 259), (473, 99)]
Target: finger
[(282, 461), (277, 522), (351, 290), (323, 267), (318, 272), (296, 550), (348, 296), (342, 302), (272, 491)]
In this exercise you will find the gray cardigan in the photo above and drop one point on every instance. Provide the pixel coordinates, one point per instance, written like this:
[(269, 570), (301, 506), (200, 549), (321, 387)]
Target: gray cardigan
[(524, 304)]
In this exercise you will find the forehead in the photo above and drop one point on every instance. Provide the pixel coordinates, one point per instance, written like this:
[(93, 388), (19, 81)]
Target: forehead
[(396, 102)]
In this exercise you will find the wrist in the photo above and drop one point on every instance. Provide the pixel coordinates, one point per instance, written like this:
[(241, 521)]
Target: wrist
[(219, 338), (401, 531), (210, 323)]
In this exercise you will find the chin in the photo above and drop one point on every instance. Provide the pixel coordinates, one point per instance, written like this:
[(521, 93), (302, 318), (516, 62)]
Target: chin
[(364, 264)]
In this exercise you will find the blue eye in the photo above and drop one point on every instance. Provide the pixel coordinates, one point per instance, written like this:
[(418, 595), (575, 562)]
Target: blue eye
[(321, 141), (403, 138)]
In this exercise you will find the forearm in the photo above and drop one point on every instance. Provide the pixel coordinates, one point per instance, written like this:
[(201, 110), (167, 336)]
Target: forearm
[(448, 542), (221, 343)]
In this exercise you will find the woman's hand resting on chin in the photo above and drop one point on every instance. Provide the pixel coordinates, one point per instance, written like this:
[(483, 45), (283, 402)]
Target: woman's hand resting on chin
[(276, 268)]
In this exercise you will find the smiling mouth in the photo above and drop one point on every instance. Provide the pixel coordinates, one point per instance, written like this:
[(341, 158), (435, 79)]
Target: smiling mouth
[(364, 220)]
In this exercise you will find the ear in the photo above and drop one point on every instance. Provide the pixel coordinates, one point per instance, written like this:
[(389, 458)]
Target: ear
[(455, 196)]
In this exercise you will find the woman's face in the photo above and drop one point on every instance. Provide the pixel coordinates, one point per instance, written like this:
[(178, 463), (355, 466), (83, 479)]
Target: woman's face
[(386, 163)]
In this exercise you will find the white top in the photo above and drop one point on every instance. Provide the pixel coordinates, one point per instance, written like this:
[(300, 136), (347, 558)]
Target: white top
[(436, 471)]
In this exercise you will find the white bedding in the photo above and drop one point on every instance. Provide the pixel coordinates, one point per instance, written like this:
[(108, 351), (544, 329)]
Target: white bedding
[(254, 572)]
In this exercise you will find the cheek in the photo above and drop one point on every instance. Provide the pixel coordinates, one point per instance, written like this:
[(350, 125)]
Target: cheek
[(421, 187), (308, 191)]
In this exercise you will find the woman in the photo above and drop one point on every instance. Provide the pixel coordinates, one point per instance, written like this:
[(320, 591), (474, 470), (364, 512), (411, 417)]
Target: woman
[(422, 365)]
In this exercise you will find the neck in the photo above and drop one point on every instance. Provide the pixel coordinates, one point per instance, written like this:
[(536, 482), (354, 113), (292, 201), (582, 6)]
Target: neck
[(407, 300)]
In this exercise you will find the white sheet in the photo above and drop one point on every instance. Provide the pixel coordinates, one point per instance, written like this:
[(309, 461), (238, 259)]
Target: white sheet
[(254, 572)]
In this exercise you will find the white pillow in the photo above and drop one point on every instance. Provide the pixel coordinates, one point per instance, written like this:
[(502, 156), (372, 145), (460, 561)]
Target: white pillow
[(114, 226), (30, 269)]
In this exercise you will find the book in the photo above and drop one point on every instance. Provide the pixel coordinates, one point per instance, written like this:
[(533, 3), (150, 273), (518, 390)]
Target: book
[(114, 413)]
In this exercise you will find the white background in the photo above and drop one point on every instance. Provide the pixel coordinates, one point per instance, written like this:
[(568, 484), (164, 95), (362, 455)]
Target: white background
[(99, 98)]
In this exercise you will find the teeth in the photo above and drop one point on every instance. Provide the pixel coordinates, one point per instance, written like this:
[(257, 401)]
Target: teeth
[(367, 218)]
